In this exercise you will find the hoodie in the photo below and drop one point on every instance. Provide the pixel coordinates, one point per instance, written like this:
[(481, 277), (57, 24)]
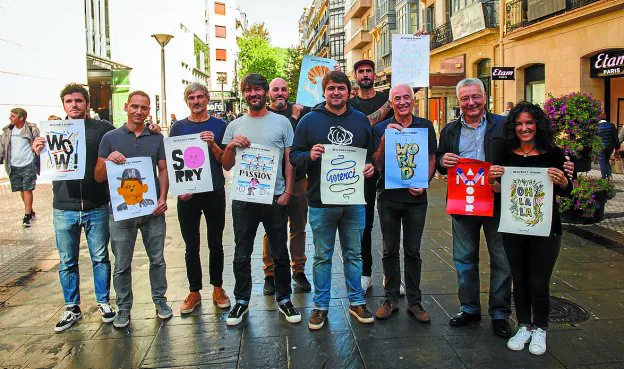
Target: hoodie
[(321, 126)]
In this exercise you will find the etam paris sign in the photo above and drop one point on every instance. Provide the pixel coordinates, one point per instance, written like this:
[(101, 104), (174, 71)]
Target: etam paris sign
[(503, 73), (607, 64)]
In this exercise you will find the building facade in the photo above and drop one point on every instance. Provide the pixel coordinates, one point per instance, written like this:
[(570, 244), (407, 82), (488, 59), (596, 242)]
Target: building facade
[(359, 16), (321, 30)]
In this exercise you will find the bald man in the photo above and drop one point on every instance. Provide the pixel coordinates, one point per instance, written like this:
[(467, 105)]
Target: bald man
[(298, 206)]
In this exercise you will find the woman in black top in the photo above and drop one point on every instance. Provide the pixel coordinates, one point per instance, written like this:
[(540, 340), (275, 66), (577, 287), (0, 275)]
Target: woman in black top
[(528, 136)]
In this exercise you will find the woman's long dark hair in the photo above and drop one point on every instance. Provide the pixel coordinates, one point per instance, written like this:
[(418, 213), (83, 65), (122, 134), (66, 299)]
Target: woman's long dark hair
[(544, 134)]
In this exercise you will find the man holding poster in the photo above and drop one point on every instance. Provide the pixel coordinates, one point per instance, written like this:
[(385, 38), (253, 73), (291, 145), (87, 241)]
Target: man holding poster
[(334, 123), (407, 206)]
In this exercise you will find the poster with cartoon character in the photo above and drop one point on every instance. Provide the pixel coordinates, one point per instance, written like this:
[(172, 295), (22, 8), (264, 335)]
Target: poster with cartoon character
[(64, 154), (407, 158), (526, 201), (469, 192), (342, 177), (313, 69), (132, 188), (254, 174), (188, 164)]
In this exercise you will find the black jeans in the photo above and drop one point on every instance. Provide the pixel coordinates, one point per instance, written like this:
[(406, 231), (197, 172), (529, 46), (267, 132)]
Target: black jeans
[(391, 215), (370, 195), (247, 216), (212, 205), (532, 260)]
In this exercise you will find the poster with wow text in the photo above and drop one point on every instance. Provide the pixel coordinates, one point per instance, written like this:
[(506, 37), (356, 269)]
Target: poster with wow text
[(132, 188), (313, 69), (527, 199), (188, 164), (255, 173), (63, 157), (410, 60), (407, 158), (469, 191), (342, 177)]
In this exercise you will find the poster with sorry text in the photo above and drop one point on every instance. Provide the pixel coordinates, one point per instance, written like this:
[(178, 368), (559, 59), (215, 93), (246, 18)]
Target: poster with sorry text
[(526, 201), (132, 188), (254, 174), (342, 177), (313, 69), (64, 154), (407, 158), (188, 164), (469, 191)]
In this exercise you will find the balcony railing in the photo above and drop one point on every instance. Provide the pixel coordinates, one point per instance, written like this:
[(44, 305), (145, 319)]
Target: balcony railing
[(490, 14), (441, 36), (516, 13)]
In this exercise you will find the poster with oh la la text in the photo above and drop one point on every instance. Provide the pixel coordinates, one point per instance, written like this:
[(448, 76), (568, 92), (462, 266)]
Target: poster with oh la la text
[(255, 173), (188, 164), (64, 154), (132, 188), (407, 158), (342, 175), (313, 69), (469, 191), (526, 201)]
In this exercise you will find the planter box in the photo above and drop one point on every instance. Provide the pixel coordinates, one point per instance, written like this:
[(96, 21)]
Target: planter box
[(576, 216)]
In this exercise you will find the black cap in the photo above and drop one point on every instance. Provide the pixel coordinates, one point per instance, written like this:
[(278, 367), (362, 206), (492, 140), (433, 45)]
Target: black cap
[(362, 62), (131, 173)]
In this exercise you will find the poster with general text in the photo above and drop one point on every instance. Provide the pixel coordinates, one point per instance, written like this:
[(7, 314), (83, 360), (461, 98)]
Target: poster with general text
[(313, 69), (526, 201), (342, 177), (188, 164), (410, 60), (469, 191), (407, 158), (132, 188), (63, 157), (254, 174)]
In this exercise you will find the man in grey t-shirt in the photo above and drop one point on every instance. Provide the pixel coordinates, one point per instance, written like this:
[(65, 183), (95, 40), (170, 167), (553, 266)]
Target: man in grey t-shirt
[(261, 127)]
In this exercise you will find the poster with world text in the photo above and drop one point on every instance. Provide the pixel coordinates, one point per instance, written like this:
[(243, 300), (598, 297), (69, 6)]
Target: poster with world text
[(254, 174), (313, 69), (64, 154), (407, 158), (342, 177), (469, 191), (188, 164)]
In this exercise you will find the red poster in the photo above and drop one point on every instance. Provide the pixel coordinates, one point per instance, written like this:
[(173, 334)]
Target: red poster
[(469, 191)]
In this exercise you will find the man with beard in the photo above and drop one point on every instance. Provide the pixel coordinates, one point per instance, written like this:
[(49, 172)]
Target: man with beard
[(298, 206), (265, 128)]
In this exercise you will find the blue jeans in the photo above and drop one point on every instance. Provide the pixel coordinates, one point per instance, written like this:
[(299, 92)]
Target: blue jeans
[(605, 164), (466, 236), (67, 227), (349, 221)]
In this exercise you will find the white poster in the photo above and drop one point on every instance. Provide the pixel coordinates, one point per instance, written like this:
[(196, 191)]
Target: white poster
[(132, 188), (188, 164), (64, 154), (410, 60), (255, 173), (342, 177), (527, 200)]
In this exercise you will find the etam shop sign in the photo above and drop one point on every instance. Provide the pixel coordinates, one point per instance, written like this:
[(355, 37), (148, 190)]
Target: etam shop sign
[(503, 73), (607, 64)]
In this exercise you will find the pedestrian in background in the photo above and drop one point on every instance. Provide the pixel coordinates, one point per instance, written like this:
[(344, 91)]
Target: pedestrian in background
[(610, 141)]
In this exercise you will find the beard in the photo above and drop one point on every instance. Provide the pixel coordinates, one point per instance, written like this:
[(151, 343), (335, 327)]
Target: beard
[(365, 83), (258, 105), (279, 103)]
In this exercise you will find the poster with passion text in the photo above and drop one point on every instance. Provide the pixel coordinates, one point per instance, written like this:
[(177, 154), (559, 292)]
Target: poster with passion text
[(255, 173), (64, 155), (132, 188), (469, 191), (188, 164), (342, 177), (526, 201), (407, 158), (313, 69)]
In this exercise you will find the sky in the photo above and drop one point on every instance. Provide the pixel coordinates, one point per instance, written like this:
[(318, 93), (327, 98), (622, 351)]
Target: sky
[(281, 18)]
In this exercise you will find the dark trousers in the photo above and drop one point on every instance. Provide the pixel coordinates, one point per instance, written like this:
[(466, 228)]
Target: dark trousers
[(532, 260), (412, 216), (247, 216), (212, 205), (370, 195)]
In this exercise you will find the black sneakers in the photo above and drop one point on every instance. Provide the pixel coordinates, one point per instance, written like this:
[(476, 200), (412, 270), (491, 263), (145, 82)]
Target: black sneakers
[(302, 282), (26, 220), (290, 312), (70, 316), (236, 315)]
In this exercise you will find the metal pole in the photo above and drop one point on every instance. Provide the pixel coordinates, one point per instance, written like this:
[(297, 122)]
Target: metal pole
[(163, 87), (222, 101), (426, 102)]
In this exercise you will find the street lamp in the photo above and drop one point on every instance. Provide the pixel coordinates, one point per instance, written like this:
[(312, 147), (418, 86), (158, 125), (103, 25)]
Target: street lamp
[(163, 39), (222, 78)]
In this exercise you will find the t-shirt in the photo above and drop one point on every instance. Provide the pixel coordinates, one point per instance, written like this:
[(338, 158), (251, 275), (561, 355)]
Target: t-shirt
[(214, 125), (21, 152), (369, 106), (271, 130), (402, 194)]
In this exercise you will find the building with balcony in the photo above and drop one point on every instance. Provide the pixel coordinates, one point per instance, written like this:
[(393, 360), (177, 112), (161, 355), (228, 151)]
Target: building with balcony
[(321, 30), (359, 16), (382, 29)]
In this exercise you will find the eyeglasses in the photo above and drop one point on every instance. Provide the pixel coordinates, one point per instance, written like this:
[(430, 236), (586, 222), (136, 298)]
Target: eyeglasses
[(475, 98)]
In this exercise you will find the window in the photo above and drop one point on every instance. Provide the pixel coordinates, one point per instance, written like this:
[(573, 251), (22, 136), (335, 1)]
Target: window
[(429, 19), (220, 31), (535, 84), (221, 55), (219, 8), (336, 47), (484, 72)]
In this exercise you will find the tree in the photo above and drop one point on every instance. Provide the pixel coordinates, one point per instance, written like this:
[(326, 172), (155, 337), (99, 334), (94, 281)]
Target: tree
[(258, 29), (292, 69), (256, 54)]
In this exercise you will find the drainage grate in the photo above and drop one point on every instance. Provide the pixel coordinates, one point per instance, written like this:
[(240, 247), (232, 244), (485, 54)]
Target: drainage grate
[(566, 312)]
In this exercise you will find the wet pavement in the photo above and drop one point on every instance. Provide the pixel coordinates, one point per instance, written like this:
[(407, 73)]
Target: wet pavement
[(588, 273)]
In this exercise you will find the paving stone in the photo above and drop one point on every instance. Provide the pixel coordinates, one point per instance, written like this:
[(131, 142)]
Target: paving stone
[(322, 349), (409, 352)]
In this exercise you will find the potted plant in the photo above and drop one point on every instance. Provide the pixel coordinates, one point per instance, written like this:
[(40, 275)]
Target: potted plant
[(586, 203)]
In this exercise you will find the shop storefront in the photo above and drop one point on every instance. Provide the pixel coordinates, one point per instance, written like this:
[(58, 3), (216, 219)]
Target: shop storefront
[(109, 86), (609, 67)]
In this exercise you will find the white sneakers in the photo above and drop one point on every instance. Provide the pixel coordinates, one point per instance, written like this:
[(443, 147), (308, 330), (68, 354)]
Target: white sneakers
[(367, 282), (401, 289), (537, 337)]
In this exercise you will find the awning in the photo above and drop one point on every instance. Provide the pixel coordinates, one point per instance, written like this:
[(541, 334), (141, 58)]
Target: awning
[(96, 62)]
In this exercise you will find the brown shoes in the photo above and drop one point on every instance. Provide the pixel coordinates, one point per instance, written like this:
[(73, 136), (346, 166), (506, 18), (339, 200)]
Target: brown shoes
[(317, 319), (386, 309), (190, 303), (220, 298), (418, 312), (361, 313)]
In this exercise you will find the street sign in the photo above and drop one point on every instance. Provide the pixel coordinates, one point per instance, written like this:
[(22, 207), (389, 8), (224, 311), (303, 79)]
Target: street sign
[(503, 73)]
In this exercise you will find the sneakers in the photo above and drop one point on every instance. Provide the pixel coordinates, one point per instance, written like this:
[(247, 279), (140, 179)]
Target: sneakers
[(70, 316), (269, 286), (122, 319), (236, 315), (290, 312), (317, 319), (26, 220), (302, 282), (163, 310), (190, 303), (521, 338), (107, 313), (401, 288), (538, 341), (220, 298), (386, 309), (419, 313), (367, 282), (361, 313)]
